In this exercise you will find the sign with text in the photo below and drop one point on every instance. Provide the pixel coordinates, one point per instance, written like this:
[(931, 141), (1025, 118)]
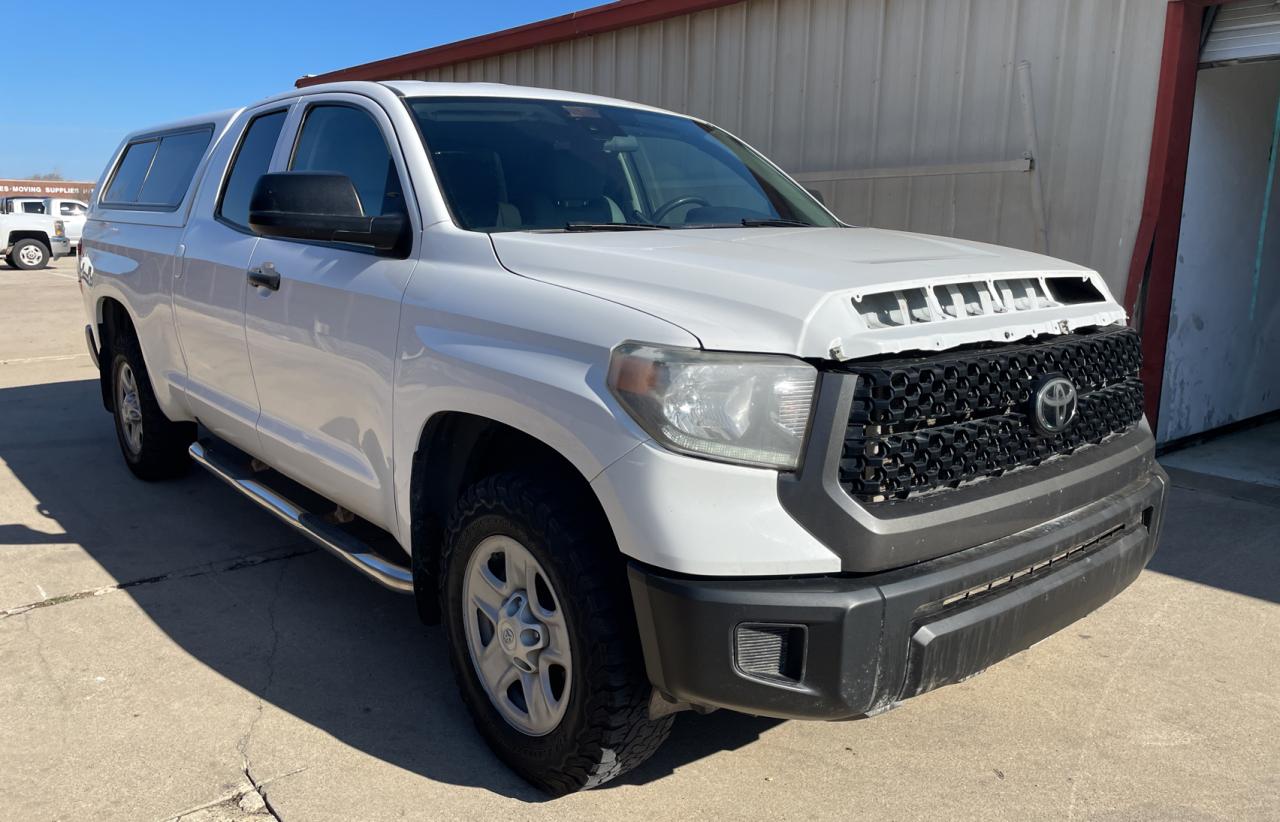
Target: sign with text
[(45, 188)]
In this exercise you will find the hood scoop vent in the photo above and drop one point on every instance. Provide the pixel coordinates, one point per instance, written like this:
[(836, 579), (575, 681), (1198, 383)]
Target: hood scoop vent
[(981, 298)]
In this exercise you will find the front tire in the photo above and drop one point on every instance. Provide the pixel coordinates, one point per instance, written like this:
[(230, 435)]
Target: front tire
[(542, 635), (154, 447), (29, 255)]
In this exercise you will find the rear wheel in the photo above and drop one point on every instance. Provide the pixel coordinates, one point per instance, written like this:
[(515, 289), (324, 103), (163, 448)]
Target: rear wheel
[(154, 447), (542, 635), (28, 255)]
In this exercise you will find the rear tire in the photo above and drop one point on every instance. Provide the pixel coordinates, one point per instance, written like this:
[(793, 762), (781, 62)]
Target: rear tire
[(599, 726), (154, 447), (29, 255)]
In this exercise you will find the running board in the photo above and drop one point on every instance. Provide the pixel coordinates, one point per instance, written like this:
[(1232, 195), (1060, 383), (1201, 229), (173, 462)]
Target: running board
[(336, 541)]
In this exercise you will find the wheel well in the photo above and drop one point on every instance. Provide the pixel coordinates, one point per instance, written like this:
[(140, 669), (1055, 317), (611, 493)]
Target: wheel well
[(455, 451), (16, 236), (115, 323)]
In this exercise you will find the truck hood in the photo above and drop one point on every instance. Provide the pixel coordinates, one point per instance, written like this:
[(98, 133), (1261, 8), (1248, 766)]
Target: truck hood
[(819, 292)]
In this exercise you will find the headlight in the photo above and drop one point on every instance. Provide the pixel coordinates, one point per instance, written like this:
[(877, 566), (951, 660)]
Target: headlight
[(751, 409)]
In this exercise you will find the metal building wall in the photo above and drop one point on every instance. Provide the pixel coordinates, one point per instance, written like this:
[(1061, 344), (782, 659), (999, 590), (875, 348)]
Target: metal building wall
[(884, 88), (1244, 30)]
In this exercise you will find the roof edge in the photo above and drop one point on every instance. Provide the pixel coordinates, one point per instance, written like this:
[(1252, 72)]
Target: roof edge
[(595, 20)]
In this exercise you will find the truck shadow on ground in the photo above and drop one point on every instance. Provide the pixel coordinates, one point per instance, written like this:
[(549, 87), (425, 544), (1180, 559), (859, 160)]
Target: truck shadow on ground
[(291, 625)]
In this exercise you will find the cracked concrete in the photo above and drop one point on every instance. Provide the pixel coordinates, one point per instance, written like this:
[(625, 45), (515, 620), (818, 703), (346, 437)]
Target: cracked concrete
[(167, 651), (244, 803), (234, 564), (256, 801), (270, 673)]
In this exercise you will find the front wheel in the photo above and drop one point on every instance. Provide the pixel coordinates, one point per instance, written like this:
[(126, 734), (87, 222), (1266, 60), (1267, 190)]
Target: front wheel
[(542, 635), (29, 255)]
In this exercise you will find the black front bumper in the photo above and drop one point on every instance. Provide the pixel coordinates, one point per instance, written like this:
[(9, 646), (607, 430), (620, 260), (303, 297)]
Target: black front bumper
[(858, 644)]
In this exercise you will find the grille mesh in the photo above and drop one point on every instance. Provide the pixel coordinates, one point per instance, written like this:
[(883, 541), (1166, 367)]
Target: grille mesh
[(926, 424)]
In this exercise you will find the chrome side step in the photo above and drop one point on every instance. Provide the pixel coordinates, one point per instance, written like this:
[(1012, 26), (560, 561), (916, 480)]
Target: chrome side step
[(336, 541)]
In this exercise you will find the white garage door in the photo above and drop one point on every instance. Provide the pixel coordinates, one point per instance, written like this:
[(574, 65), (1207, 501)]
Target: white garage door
[(1244, 30)]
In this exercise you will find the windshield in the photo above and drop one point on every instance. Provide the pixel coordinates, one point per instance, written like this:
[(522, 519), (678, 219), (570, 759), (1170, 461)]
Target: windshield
[(521, 165)]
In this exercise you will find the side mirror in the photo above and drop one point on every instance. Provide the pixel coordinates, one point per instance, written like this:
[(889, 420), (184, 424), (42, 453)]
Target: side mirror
[(313, 205), (817, 195)]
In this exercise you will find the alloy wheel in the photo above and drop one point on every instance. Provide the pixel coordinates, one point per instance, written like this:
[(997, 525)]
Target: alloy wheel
[(129, 408), (517, 635)]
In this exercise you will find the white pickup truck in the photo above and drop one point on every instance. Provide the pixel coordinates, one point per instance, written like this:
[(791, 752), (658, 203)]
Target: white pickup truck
[(630, 412), (70, 212), (30, 240)]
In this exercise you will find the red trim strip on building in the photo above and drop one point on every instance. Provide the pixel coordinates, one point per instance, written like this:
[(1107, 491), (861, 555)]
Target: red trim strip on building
[(1155, 250), (609, 17)]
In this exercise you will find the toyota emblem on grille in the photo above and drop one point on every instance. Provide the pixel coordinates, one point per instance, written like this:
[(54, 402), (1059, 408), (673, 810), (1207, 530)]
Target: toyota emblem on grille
[(1053, 406)]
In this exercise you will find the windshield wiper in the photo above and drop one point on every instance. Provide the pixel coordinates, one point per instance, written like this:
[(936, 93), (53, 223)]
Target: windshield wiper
[(776, 221), (613, 226)]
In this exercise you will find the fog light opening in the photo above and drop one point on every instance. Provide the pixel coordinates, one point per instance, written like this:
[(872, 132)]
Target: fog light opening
[(771, 652)]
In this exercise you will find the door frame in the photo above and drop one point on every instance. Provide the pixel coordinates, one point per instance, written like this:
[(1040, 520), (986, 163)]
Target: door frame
[(282, 451), (1149, 290)]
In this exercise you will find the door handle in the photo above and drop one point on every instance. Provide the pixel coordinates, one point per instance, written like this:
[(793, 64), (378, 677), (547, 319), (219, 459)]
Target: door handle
[(265, 276)]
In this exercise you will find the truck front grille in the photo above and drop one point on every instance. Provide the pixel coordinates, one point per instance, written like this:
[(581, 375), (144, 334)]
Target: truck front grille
[(932, 423)]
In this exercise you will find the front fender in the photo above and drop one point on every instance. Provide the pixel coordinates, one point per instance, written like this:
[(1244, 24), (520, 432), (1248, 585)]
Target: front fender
[(477, 339)]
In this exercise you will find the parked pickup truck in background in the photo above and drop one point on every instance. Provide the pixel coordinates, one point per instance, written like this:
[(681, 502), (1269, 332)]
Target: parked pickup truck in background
[(29, 241), (624, 407), (71, 212)]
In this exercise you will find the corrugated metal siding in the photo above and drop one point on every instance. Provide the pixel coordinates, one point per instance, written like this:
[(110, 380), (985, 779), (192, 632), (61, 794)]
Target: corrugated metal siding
[(1244, 30), (823, 85)]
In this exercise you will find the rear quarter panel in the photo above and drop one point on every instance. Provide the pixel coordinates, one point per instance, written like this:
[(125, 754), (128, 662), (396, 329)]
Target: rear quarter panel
[(129, 255), (133, 264)]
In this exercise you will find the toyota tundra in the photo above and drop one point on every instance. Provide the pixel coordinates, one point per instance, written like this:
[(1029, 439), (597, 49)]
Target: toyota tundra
[(625, 408)]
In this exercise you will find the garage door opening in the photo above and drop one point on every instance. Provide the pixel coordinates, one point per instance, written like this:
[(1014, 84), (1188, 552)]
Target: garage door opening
[(1222, 356)]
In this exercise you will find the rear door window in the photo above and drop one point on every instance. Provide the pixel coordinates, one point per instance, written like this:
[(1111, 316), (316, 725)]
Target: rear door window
[(133, 168), (156, 172), (173, 168), (252, 160)]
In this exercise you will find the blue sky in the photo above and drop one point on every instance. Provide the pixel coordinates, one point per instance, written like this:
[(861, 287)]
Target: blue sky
[(97, 70)]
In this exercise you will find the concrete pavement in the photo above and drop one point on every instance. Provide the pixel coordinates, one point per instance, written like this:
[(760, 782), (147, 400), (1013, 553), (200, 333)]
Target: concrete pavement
[(168, 651)]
